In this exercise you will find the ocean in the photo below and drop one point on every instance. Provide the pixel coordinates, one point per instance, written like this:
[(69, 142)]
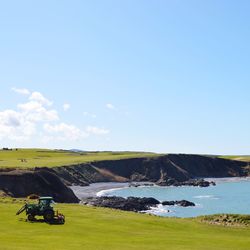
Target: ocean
[(230, 195)]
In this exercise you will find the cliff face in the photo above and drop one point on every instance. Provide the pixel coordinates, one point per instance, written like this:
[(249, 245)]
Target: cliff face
[(23, 183), (179, 167), (54, 181)]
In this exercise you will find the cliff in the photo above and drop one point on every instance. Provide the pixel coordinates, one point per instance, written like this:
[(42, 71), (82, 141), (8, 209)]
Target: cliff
[(54, 181), (180, 167), (22, 183)]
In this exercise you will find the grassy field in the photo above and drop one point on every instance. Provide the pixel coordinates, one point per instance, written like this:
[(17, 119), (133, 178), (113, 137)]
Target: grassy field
[(237, 157), (98, 229), (30, 158)]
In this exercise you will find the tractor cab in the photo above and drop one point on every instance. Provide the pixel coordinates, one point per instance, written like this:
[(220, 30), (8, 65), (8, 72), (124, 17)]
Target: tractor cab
[(45, 202)]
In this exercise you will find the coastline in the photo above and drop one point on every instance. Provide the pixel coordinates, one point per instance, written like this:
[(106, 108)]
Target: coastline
[(95, 188), (100, 188), (228, 179)]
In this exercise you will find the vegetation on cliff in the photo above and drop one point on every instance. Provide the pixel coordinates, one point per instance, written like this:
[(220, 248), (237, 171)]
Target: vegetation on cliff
[(245, 158), (30, 158)]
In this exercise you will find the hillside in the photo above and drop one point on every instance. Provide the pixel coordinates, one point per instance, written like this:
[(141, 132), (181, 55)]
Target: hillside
[(30, 158), (245, 158), (97, 228)]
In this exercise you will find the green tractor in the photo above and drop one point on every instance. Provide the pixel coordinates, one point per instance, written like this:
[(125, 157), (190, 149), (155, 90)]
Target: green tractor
[(43, 208)]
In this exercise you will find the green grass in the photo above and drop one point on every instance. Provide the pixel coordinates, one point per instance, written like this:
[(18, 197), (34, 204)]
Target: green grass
[(52, 158), (236, 157), (99, 228)]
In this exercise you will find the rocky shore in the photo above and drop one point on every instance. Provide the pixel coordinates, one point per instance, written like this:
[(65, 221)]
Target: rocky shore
[(134, 204), (192, 182)]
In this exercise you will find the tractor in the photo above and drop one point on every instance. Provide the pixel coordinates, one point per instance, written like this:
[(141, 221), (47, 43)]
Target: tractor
[(43, 208)]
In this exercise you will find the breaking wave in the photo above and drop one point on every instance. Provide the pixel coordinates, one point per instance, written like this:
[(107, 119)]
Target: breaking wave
[(206, 197)]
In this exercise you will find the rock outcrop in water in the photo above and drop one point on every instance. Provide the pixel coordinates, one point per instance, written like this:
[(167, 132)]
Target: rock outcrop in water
[(192, 182), (135, 204), (181, 203), (130, 204)]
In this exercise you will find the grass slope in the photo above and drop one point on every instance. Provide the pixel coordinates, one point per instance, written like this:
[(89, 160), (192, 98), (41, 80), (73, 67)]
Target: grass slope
[(30, 158), (245, 158), (98, 229)]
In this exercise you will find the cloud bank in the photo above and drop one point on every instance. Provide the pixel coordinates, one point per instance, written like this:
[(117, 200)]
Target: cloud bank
[(36, 118)]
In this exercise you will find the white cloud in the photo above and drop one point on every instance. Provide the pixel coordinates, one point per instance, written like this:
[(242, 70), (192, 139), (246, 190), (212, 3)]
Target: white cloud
[(21, 91), (10, 118), (34, 111), (22, 124), (110, 106), (96, 130), (66, 106), (38, 97), (14, 126), (65, 131), (35, 120)]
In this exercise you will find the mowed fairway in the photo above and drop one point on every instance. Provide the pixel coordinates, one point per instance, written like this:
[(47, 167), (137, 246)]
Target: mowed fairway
[(30, 158), (98, 229)]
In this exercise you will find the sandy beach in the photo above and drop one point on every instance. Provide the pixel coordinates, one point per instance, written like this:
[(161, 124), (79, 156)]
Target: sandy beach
[(93, 189)]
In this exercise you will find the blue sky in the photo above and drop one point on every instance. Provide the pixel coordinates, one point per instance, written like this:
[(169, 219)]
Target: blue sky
[(162, 76)]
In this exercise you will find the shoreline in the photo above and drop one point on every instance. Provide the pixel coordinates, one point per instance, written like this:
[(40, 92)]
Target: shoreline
[(228, 179), (94, 188), (99, 188)]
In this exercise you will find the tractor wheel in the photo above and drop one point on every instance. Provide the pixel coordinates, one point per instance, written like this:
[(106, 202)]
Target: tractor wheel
[(48, 215), (31, 217), (61, 219)]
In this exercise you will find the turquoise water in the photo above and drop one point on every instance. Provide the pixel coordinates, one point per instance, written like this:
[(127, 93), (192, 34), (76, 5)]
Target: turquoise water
[(228, 196)]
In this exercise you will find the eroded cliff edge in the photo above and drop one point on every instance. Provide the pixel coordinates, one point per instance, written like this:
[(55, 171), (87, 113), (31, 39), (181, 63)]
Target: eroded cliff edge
[(55, 181)]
